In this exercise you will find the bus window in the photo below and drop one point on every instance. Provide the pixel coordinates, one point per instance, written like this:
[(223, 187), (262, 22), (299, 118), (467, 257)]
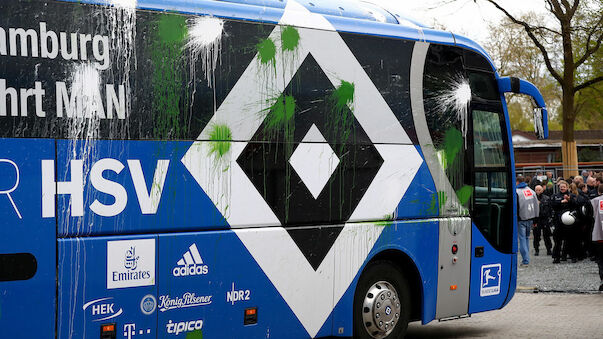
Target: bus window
[(492, 203)]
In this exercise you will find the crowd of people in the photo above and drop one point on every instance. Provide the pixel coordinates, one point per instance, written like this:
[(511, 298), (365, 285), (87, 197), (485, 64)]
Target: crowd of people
[(570, 211)]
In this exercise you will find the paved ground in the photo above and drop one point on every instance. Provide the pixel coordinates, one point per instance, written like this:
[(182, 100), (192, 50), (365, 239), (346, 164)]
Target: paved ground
[(552, 301), (543, 275), (528, 315)]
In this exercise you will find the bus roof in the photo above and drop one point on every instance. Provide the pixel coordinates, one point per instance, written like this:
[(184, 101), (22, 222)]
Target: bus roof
[(351, 16)]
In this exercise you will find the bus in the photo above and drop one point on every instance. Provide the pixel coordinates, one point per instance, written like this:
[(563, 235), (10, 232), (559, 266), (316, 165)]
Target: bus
[(248, 169)]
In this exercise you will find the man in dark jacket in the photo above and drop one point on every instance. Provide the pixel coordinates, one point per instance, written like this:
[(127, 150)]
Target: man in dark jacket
[(561, 202), (543, 222)]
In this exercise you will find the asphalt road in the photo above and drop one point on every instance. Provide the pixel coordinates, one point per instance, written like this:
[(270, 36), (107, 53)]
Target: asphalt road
[(528, 315)]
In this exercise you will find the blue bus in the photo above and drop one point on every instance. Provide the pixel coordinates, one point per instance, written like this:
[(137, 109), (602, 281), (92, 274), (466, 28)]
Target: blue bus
[(248, 169)]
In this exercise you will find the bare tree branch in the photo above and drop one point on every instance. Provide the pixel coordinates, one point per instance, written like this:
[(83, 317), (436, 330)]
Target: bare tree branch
[(530, 30), (590, 51), (588, 83)]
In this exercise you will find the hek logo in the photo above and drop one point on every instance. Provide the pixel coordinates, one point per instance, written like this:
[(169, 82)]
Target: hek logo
[(130, 263), (190, 264), (102, 309)]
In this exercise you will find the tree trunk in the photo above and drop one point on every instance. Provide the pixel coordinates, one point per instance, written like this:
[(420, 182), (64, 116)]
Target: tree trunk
[(569, 150)]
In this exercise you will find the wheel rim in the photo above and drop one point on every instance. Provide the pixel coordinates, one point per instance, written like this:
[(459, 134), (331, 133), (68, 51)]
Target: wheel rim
[(381, 309)]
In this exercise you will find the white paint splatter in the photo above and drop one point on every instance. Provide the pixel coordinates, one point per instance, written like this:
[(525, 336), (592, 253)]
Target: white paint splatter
[(205, 42), (121, 26), (456, 98), (124, 3)]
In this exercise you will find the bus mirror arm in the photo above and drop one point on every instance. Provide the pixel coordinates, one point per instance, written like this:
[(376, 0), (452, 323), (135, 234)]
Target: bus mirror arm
[(541, 115)]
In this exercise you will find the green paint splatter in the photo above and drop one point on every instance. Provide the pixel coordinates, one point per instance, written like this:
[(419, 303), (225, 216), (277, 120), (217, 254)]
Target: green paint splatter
[(169, 76), (453, 142), (442, 198), (198, 334), (340, 118), (220, 140), (172, 28), (344, 95), (433, 204), (289, 38), (281, 114), (388, 220), (464, 194), (267, 51)]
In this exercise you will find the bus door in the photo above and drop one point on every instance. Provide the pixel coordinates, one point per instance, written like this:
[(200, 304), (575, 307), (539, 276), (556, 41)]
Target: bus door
[(492, 262), (27, 241)]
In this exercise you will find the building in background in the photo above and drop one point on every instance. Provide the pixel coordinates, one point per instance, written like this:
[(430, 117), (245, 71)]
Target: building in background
[(532, 154)]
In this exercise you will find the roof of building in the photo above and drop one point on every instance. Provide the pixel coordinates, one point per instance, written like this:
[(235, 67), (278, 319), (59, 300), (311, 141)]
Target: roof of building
[(522, 139)]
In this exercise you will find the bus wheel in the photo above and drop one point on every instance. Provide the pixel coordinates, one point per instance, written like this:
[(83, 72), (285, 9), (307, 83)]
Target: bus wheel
[(381, 302)]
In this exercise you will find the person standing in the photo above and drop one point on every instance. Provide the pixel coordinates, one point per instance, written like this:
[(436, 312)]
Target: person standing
[(585, 224), (527, 212), (597, 236), (561, 202), (543, 222)]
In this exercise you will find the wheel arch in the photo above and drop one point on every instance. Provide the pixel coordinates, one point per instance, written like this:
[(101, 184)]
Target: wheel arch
[(412, 274)]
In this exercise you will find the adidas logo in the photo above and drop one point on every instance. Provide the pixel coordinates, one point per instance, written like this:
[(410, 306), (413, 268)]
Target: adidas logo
[(190, 264)]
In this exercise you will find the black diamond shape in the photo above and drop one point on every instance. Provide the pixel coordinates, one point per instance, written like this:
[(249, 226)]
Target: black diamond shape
[(265, 160)]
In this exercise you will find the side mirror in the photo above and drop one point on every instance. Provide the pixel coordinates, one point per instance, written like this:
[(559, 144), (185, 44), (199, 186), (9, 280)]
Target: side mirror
[(541, 115)]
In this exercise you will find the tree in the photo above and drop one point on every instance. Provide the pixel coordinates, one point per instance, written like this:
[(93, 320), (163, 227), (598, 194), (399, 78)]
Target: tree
[(577, 28), (515, 55)]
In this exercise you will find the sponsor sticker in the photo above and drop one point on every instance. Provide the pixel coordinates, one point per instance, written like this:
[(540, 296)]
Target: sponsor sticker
[(102, 309), (184, 326), (528, 194), (130, 331), (190, 264), (490, 280), (235, 295), (130, 263), (188, 299), (148, 304)]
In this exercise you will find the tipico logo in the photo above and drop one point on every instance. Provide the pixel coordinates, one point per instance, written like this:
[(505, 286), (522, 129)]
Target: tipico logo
[(190, 264), (130, 263), (184, 326)]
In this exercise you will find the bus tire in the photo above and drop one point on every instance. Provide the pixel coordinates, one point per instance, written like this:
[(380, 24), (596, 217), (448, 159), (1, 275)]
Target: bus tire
[(381, 302)]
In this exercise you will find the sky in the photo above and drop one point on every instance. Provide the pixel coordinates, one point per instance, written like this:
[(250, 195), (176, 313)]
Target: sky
[(464, 17)]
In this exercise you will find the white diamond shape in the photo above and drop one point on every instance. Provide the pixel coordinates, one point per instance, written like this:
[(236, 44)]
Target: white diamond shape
[(314, 161), (311, 294)]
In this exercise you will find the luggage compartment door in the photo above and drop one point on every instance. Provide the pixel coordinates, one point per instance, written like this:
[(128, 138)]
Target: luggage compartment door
[(27, 241)]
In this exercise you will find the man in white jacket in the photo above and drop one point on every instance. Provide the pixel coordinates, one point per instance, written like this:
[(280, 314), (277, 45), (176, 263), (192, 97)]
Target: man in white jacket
[(598, 231)]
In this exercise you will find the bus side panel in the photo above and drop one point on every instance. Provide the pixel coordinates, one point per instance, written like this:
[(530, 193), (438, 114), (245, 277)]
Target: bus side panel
[(416, 239), (107, 280), (210, 277), (490, 275), (27, 242), (130, 187)]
